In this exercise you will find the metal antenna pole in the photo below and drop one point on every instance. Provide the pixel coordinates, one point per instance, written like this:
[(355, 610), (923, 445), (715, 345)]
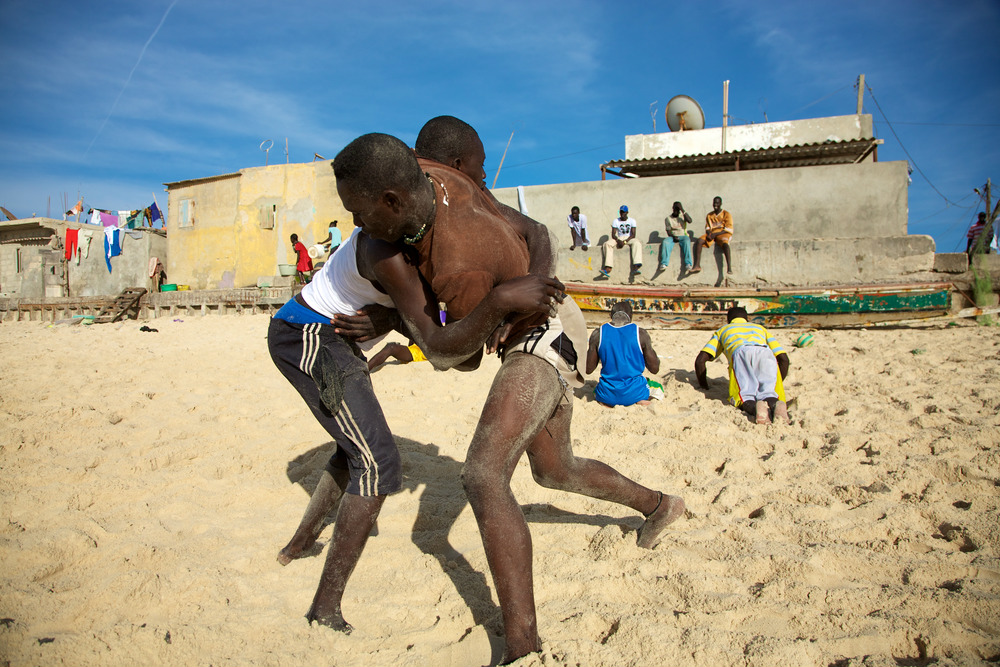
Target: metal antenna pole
[(501, 160)]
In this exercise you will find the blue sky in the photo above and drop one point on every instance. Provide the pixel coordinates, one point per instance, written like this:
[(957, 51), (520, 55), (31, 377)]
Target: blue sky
[(113, 99)]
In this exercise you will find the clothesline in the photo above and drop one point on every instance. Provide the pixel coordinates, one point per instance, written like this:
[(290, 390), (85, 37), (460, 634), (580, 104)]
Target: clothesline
[(113, 223), (147, 217)]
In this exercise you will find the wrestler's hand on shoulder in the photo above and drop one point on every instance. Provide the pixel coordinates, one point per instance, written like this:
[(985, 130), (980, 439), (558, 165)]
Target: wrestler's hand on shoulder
[(370, 322)]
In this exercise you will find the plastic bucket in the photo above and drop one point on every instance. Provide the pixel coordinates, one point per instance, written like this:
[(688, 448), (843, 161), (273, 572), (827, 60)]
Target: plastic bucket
[(286, 269), (168, 287)]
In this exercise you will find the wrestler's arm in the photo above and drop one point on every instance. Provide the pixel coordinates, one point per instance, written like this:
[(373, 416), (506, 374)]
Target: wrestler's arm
[(448, 346), (535, 234), (648, 353), (699, 368), (783, 365), (593, 355), (541, 261)]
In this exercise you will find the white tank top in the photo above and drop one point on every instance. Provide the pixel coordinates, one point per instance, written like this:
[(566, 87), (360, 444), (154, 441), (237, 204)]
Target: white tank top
[(338, 288)]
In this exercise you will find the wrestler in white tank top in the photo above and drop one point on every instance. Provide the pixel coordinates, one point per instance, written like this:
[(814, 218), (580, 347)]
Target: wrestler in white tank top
[(338, 288)]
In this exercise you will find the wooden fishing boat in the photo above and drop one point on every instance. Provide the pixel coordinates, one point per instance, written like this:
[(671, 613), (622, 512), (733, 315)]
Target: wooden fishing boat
[(806, 307)]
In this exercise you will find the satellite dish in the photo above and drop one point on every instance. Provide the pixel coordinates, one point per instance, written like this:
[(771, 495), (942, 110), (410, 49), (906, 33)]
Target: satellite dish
[(683, 113)]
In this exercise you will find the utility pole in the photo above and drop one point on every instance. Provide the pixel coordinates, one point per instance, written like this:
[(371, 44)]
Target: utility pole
[(725, 111), (861, 93)]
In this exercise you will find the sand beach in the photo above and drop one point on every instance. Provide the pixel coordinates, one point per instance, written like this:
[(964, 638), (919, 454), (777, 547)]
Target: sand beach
[(149, 479)]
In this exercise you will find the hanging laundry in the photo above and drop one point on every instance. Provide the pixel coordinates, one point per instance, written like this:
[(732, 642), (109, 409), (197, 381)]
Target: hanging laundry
[(72, 238), (95, 217), (77, 209), (109, 219), (85, 237), (133, 219), (155, 216), (112, 244)]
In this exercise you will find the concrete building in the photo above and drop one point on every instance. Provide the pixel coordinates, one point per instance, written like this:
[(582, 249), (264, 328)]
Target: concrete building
[(233, 230), (811, 205), (33, 262), (810, 202)]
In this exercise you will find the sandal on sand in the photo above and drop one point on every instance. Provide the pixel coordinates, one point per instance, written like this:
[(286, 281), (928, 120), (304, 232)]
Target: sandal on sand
[(695, 270)]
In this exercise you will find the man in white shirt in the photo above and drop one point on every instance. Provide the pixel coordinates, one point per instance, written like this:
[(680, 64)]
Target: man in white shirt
[(578, 228), (623, 229)]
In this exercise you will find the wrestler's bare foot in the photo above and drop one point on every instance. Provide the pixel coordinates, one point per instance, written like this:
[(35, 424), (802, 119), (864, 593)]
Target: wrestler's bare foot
[(781, 413), (762, 413), (668, 511), (513, 653), (293, 551), (334, 620)]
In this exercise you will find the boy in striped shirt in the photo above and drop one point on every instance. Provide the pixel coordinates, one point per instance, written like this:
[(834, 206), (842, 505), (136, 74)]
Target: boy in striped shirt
[(757, 365)]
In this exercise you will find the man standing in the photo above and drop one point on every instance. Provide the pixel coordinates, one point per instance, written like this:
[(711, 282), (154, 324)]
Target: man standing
[(755, 359), (394, 197), (980, 237), (624, 350), (718, 229), (578, 228), (330, 373), (623, 229), (333, 238), (676, 224)]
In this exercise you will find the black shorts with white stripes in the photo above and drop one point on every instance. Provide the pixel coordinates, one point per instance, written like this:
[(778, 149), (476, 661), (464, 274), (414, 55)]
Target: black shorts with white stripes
[(331, 375)]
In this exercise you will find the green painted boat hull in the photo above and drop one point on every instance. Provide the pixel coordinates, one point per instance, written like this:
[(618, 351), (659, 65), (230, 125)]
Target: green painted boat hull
[(837, 306)]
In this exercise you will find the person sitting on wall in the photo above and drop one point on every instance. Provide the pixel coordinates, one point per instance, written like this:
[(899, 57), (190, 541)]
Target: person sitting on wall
[(304, 265), (578, 228), (718, 229), (676, 226), (624, 350), (755, 359), (623, 229)]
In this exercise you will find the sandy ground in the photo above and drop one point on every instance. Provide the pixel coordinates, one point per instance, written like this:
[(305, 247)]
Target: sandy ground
[(150, 478)]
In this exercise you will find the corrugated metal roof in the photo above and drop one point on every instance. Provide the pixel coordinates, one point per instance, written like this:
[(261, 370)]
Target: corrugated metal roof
[(803, 155)]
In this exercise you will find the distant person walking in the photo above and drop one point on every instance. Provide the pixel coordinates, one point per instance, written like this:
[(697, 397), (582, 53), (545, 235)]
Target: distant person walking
[(718, 229), (333, 238), (578, 228), (304, 265)]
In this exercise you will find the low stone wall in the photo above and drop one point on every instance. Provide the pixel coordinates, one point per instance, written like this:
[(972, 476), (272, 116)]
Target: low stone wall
[(800, 263), (163, 304)]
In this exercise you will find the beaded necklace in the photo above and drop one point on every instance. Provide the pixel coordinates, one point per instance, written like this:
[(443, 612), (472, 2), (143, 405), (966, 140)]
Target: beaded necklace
[(410, 240)]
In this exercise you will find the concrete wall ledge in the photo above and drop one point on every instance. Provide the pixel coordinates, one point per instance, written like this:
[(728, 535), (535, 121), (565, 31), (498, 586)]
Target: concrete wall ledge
[(776, 262), (951, 262)]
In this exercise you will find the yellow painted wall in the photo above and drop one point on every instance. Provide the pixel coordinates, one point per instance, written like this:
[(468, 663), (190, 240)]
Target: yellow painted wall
[(199, 254), (229, 244)]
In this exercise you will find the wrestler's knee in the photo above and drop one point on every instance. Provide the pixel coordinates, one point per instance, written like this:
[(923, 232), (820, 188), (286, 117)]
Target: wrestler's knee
[(478, 480), (549, 475)]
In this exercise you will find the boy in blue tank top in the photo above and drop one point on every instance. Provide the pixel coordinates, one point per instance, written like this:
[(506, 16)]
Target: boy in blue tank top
[(624, 351)]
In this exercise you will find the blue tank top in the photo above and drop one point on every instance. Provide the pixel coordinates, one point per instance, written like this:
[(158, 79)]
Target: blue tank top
[(622, 364)]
